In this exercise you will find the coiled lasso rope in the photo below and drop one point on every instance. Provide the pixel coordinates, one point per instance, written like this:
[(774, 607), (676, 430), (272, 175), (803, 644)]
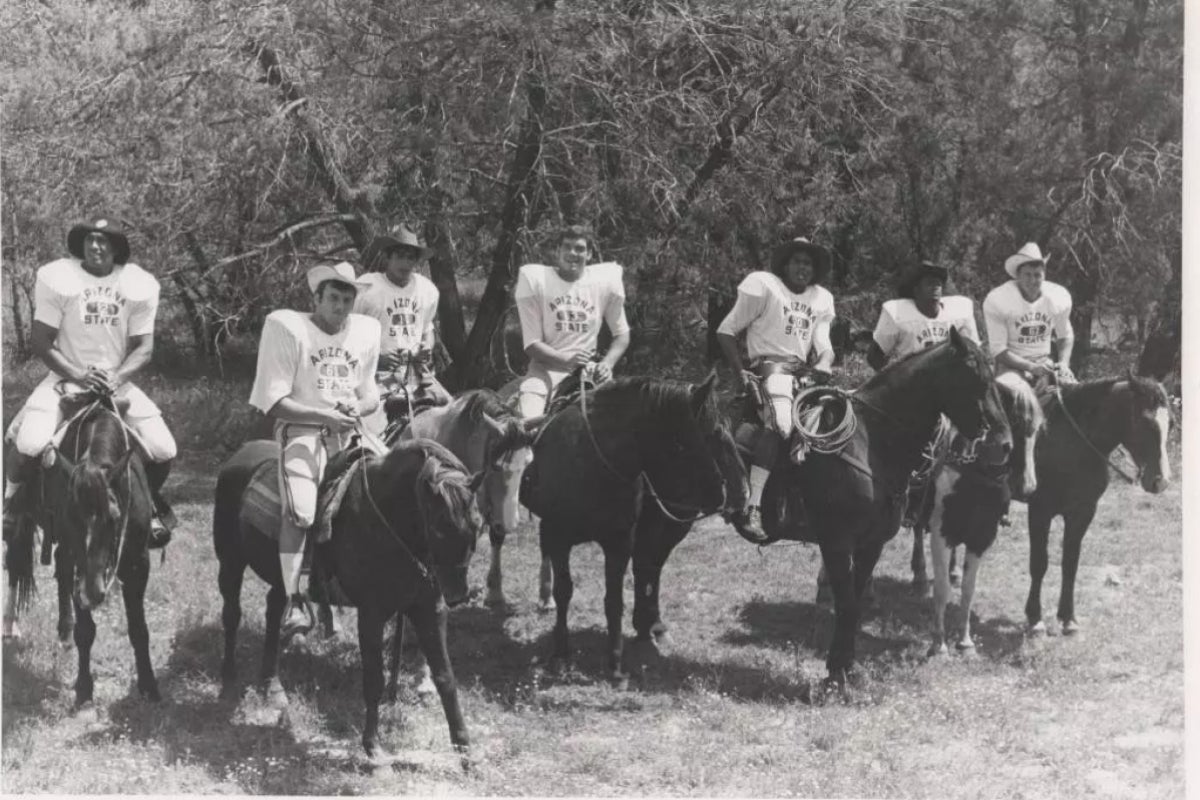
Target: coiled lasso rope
[(807, 410)]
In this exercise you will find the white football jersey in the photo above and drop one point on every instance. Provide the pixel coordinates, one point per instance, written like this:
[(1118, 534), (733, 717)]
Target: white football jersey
[(903, 330), (95, 316), (299, 360), (779, 322), (405, 314), (1024, 328), (566, 315)]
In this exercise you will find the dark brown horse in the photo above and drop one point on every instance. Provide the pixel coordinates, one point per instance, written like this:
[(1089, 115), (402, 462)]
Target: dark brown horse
[(1084, 424), (95, 503), (401, 541), (598, 465), (853, 499)]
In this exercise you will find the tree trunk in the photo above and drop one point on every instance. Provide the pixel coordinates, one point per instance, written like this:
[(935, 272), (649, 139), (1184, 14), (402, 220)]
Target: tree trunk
[(1160, 356), (18, 320), (471, 370), (443, 263)]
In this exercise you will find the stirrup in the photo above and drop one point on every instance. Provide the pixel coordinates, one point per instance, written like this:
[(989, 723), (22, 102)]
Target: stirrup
[(160, 534)]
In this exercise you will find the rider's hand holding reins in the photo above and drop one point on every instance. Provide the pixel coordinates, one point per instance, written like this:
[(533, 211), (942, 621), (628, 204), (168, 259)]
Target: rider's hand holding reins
[(99, 381)]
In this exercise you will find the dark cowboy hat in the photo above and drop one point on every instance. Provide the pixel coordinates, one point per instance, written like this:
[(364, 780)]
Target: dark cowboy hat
[(784, 251), (397, 236), (910, 278), (106, 225)]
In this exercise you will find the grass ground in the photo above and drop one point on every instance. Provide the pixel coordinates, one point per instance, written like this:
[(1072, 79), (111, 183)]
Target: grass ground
[(726, 710)]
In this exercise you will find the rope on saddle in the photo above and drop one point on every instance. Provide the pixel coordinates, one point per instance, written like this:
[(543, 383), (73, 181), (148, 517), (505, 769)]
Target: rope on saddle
[(809, 409)]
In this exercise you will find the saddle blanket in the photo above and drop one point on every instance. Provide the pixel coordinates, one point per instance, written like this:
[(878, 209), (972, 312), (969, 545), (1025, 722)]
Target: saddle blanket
[(262, 505)]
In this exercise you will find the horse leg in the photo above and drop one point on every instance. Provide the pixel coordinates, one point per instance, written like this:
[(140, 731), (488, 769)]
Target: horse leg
[(845, 608), (269, 677), (133, 592), (1075, 525), (370, 645), (64, 569), (824, 592), (652, 546), (429, 620), (616, 564), (547, 596), (955, 569), (85, 635), (1039, 537), (229, 579), (495, 576), (423, 680), (940, 555), (560, 558), (920, 574), (391, 690), (970, 573)]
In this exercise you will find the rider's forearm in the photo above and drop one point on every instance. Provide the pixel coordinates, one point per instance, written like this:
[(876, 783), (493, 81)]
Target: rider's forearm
[(1065, 346), (289, 409), (825, 360), (57, 361), (617, 349), (138, 357), (729, 349), (1008, 358), (540, 351)]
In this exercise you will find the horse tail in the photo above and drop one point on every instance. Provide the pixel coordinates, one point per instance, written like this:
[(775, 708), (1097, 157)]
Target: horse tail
[(18, 562)]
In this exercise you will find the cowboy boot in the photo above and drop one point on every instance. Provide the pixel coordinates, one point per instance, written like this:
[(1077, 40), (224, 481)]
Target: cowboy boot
[(749, 524), (297, 619), (162, 518)]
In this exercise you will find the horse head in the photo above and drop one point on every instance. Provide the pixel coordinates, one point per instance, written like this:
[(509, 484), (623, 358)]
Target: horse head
[(1026, 421), (967, 392), (682, 447), (506, 451), (446, 506), (1147, 432), (95, 518)]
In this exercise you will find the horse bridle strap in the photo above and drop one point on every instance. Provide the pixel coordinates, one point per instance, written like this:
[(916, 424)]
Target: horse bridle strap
[(1106, 459), (700, 514), (421, 568)]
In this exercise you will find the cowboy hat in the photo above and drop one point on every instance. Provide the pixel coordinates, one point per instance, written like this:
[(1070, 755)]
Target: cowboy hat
[(397, 236), (106, 225), (1029, 254), (342, 272), (784, 251), (913, 275)]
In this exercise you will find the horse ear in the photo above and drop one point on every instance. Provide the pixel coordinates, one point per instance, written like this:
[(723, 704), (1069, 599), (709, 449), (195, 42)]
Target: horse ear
[(701, 393), (496, 426), (956, 340)]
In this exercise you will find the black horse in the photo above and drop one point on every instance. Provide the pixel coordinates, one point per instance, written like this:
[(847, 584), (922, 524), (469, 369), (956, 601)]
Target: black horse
[(401, 541), (95, 505), (599, 464), (853, 499), (1084, 424)]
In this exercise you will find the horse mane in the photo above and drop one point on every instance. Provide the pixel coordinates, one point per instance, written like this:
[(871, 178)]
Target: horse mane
[(478, 402), (1020, 403), (662, 396), (443, 476)]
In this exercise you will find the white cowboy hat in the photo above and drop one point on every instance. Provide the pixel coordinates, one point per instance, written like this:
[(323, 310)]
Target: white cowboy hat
[(1028, 254), (342, 272)]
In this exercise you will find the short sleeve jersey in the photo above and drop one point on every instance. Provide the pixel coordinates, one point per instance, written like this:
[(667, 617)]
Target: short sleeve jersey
[(566, 315), (299, 360), (779, 323), (405, 313), (1022, 327), (903, 330), (95, 316)]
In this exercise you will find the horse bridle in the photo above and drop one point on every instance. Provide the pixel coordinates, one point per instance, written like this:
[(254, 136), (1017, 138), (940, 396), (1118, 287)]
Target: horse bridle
[(642, 476), (1078, 430)]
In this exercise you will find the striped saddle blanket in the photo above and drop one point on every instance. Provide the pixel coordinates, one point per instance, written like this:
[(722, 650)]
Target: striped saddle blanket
[(262, 505)]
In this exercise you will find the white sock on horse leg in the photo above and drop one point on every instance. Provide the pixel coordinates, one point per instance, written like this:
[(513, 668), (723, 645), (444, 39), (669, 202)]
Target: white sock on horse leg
[(758, 482), (11, 488)]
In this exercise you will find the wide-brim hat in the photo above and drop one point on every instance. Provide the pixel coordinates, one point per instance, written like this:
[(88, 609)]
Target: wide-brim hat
[(784, 251), (397, 236), (106, 225), (913, 275), (342, 272), (1029, 254)]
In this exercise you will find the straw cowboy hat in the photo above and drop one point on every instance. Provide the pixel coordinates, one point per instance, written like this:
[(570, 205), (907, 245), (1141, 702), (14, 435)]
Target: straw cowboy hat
[(106, 225), (784, 251), (342, 272), (397, 236), (1029, 254), (913, 275)]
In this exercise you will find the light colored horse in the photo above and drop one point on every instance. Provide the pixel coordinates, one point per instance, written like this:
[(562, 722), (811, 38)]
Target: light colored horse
[(967, 499)]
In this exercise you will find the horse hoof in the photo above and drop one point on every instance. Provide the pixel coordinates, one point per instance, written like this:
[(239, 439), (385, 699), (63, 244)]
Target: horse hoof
[(276, 697), (151, 693), (965, 648), (1071, 628), (921, 587), (936, 650), (545, 606), (1036, 629), (229, 692), (377, 757)]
